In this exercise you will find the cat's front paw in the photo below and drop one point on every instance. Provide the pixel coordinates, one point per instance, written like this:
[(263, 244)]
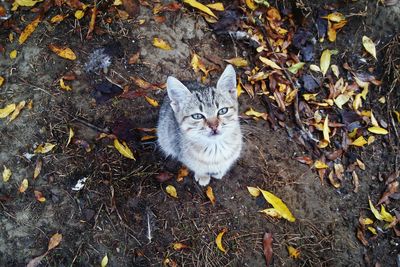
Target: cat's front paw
[(203, 180)]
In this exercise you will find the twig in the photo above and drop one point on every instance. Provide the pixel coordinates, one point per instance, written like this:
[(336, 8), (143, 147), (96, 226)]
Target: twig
[(88, 124)]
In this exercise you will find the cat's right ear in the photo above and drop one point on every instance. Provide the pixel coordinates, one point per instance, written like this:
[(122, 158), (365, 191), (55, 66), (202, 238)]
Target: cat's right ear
[(177, 92)]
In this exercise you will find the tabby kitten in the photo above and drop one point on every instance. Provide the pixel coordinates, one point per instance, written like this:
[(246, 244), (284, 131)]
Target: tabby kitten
[(199, 126)]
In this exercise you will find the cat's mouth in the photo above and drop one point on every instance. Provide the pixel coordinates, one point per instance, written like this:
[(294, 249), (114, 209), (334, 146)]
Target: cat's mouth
[(214, 133)]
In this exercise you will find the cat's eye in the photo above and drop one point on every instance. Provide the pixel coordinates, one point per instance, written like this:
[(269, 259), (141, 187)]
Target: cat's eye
[(197, 116), (222, 111)]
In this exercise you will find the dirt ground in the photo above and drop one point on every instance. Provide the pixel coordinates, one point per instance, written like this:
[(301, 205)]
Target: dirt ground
[(110, 215)]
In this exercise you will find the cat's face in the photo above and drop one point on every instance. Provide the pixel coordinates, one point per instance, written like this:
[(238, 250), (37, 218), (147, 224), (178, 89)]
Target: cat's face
[(206, 114)]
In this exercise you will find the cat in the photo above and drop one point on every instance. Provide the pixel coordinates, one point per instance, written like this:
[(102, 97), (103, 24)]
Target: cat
[(199, 126)]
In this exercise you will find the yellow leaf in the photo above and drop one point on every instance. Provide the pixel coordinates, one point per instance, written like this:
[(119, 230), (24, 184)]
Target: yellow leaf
[(54, 241), (63, 86), (374, 122), (123, 149), (200, 6), (320, 165), (254, 191), (179, 246), (238, 62), (369, 46), (57, 18), (341, 99), (315, 68), (326, 129), (372, 230), (197, 64), (335, 17), (160, 43), (17, 110), (293, 253), (360, 141), (13, 54), (38, 168), (253, 113), (374, 210), (377, 130), (182, 173), (397, 113), (323, 144), (64, 52), (6, 174), (117, 3), (239, 89), (217, 6), (296, 67), (171, 190), (104, 261), (24, 185), (335, 70), (269, 63), (151, 101), (1, 81), (278, 205), (357, 103), (386, 216), (27, 2), (325, 61), (218, 240), (250, 4), (79, 14), (371, 139), (271, 212), (39, 196), (366, 221), (210, 194), (360, 164), (308, 97), (4, 112), (29, 29), (42, 149), (71, 134)]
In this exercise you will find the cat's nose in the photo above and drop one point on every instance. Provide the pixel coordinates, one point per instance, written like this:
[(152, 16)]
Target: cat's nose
[(213, 124)]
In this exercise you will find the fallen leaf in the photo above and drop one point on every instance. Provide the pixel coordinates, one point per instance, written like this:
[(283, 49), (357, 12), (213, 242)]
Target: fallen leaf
[(24, 185), (57, 18), (386, 216), (104, 261), (171, 190), (304, 159), (325, 61), (92, 22), (372, 230), (369, 46), (374, 210), (63, 86), (134, 58), (391, 189), (366, 221), (160, 43), (151, 101), (296, 67), (269, 63), (1, 81), (278, 204), (200, 6), (13, 54), (7, 110), (197, 64), (179, 246), (250, 4), (29, 29), (397, 113), (360, 141), (341, 99), (254, 191), (218, 240), (132, 7), (356, 182), (39, 196), (123, 149), (25, 3), (272, 213), (308, 97), (6, 174), (334, 182), (64, 52), (251, 112), (44, 148), (210, 195), (374, 122), (54, 241), (70, 136), (315, 68), (377, 130), (371, 139), (163, 177), (335, 70), (17, 110), (335, 17), (361, 236), (79, 14), (326, 129), (293, 253), (360, 164), (217, 6), (182, 173), (267, 248), (38, 168), (320, 165), (238, 62)]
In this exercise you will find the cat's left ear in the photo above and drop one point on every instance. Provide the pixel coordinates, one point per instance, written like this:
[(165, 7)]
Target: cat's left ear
[(227, 81)]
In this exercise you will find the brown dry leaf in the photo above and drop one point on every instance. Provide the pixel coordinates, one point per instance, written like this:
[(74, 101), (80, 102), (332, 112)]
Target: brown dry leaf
[(293, 252), (361, 237), (44, 148), (391, 189), (160, 43), (64, 52), (369, 46), (17, 110), (238, 62), (151, 101), (218, 240), (164, 176), (356, 182), (269, 63), (360, 164), (141, 83), (210, 194), (132, 7), (325, 61), (7, 110), (54, 241), (6, 174), (200, 6), (182, 173), (38, 168), (39, 196), (123, 149), (179, 246), (134, 58), (29, 29), (92, 22), (267, 248), (171, 190), (24, 185), (304, 159)]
